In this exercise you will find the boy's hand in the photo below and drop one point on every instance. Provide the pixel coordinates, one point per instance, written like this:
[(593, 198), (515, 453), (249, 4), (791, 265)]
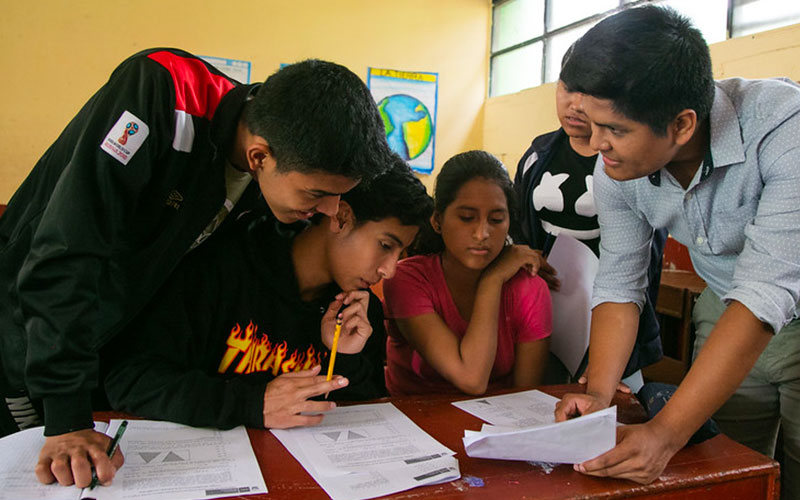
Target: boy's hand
[(641, 454), (68, 459), (355, 322), (575, 405), (286, 397)]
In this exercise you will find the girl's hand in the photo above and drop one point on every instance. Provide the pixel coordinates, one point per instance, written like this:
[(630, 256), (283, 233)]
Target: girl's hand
[(511, 260), (355, 323)]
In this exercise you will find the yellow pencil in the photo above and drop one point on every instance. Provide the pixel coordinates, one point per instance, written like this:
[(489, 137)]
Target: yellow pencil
[(336, 332)]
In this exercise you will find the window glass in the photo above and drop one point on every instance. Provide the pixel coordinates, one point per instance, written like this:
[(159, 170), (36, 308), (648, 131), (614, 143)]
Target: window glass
[(515, 21), (751, 16), (557, 46), (564, 12), (709, 16), (516, 70)]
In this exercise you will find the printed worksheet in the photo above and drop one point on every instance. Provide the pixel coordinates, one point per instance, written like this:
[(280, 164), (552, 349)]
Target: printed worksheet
[(572, 441), (167, 461), (519, 409), (370, 450), (19, 453), (163, 461)]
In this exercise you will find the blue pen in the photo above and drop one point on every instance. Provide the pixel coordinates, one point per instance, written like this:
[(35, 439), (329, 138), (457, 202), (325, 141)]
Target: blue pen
[(112, 448)]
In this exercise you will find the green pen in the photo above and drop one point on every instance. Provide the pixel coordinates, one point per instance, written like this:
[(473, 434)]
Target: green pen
[(112, 448)]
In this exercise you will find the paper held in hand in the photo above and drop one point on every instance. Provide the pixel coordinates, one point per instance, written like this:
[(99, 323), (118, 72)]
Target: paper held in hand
[(525, 429)]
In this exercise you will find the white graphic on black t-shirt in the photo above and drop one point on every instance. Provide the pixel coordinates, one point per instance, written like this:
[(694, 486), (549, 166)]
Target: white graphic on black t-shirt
[(584, 205), (548, 193)]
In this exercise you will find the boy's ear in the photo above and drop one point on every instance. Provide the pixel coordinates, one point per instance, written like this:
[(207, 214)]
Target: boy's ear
[(344, 218), (684, 126), (436, 222), (258, 153)]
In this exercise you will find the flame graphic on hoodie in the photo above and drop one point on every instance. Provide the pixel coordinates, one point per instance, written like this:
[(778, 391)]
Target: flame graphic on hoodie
[(257, 354)]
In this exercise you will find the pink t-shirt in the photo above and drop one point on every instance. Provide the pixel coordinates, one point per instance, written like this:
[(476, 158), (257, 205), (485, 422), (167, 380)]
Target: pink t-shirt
[(419, 287)]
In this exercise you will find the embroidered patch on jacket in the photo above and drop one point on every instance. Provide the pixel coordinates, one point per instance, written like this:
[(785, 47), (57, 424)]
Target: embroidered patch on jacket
[(125, 137)]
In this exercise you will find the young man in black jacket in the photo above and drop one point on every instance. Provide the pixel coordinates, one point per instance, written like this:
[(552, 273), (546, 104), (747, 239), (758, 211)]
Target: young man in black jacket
[(149, 168), (256, 308)]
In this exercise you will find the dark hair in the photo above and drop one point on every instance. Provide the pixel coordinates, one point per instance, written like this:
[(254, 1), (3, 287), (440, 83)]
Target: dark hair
[(456, 172), (395, 193), (319, 116), (650, 61)]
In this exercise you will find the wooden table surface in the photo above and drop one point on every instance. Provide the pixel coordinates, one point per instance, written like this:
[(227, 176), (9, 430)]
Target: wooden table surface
[(717, 468)]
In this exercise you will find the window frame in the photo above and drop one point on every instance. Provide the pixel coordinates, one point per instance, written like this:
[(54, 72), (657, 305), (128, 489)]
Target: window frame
[(548, 32)]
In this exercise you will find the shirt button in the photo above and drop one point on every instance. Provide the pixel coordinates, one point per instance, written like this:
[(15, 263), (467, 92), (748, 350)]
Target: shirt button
[(699, 240), (688, 196)]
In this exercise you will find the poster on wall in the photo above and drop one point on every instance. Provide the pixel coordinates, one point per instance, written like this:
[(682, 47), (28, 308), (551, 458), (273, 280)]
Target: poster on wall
[(233, 68), (407, 103)]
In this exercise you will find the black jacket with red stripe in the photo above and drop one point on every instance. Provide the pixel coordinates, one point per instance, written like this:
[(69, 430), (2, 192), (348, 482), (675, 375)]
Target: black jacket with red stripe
[(105, 216)]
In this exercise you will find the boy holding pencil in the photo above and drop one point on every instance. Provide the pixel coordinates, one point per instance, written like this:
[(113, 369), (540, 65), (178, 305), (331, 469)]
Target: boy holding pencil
[(258, 307)]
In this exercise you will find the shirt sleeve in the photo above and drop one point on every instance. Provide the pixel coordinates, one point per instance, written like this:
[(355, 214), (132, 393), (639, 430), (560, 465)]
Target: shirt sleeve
[(409, 293), (65, 311), (766, 278), (625, 238), (532, 307)]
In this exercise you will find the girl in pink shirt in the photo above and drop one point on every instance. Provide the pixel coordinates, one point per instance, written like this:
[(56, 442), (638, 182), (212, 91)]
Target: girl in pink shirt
[(469, 313)]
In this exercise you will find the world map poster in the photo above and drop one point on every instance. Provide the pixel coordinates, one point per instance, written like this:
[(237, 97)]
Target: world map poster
[(407, 103)]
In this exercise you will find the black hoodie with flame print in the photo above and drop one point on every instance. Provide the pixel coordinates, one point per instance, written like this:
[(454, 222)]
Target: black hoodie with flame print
[(226, 323)]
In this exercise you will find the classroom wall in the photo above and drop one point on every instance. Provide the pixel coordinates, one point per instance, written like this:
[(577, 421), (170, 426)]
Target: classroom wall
[(512, 121), (56, 53)]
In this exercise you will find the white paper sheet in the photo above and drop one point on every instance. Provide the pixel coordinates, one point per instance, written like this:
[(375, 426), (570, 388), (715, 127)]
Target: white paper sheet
[(19, 453), (576, 265), (370, 450), (519, 409), (163, 461), (573, 441), (167, 461)]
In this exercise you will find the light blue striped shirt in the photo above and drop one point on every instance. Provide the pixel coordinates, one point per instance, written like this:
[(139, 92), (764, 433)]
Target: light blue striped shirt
[(739, 217)]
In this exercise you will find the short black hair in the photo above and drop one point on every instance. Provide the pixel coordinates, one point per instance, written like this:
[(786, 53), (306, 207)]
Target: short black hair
[(395, 193), (319, 116), (456, 172), (650, 61)]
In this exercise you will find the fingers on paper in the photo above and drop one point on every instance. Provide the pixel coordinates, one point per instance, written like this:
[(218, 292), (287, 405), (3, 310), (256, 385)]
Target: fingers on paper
[(630, 459)]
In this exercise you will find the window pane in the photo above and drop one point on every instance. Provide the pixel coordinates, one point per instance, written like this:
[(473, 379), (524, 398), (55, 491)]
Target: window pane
[(564, 12), (557, 46), (516, 70), (709, 16), (515, 21), (752, 16)]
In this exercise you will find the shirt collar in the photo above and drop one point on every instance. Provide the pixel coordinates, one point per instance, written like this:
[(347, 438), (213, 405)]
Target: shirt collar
[(726, 147)]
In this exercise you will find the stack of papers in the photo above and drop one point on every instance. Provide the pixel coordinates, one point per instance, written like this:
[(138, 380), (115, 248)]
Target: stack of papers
[(525, 429), (365, 451)]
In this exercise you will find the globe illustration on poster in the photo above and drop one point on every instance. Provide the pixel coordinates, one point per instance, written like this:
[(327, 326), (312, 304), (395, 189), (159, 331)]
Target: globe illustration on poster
[(408, 124)]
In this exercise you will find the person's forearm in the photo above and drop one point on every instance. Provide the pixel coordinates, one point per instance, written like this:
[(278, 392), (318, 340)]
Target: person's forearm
[(613, 333), (478, 347), (730, 352)]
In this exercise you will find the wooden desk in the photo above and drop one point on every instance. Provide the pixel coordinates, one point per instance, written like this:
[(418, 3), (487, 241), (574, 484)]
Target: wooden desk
[(718, 468), (676, 296)]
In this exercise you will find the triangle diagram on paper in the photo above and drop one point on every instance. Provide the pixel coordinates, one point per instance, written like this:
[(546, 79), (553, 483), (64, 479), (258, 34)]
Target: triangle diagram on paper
[(148, 456), (173, 457)]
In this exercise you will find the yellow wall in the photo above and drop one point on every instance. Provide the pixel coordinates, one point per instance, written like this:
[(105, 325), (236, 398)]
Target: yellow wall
[(56, 53), (512, 121)]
